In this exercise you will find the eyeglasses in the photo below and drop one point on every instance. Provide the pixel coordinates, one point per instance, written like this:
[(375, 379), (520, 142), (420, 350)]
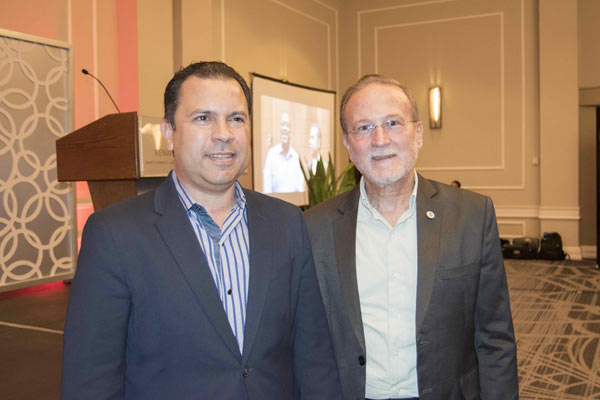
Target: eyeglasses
[(366, 129)]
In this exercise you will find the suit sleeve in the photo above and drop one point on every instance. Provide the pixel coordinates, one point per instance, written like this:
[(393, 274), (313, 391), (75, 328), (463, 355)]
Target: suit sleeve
[(494, 335), (97, 320), (315, 367)]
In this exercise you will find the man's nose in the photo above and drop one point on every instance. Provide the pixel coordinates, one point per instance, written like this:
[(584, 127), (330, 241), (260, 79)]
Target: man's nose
[(222, 131), (380, 136)]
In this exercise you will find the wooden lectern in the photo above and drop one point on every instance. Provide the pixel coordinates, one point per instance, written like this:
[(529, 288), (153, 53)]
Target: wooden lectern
[(106, 153)]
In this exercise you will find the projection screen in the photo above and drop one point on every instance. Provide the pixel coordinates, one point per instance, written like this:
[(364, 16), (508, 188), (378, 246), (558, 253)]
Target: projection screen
[(291, 124)]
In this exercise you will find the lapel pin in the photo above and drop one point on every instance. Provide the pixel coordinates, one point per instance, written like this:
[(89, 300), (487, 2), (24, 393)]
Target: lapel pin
[(430, 214)]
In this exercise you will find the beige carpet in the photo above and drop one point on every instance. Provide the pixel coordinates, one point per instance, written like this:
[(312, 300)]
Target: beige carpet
[(556, 312)]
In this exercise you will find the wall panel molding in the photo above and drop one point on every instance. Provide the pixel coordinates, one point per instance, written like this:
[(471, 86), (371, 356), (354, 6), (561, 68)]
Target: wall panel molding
[(519, 175), (574, 252), (320, 21), (517, 211), (502, 165), (360, 13), (337, 38), (520, 224), (536, 212), (565, 213), (588, 252), (223, 31)]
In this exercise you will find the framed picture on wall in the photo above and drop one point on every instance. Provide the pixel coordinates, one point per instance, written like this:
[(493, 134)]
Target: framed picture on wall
[(291, 124)]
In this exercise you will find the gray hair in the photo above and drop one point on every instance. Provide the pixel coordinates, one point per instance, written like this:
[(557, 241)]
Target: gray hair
[(365, 81)]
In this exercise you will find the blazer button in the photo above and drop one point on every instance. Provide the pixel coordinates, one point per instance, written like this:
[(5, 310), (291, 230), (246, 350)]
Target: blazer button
[(246, 372), (361, 360)]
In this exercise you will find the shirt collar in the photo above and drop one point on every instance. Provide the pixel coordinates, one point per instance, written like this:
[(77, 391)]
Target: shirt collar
[(188, 202), (289, 154), (364, 199)]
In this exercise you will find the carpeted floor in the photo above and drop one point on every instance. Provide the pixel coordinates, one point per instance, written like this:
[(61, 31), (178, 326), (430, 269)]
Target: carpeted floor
[(555, 305), (556, 313)]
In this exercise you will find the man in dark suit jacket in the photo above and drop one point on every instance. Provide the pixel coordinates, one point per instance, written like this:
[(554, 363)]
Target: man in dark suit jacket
[(410, 270), (201, 289)]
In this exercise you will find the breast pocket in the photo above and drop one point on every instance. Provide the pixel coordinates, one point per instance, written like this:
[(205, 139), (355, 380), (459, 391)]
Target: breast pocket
[(463, 271)]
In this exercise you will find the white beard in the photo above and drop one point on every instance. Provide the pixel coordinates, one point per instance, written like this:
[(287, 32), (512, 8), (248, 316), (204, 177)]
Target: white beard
[(384, 177)]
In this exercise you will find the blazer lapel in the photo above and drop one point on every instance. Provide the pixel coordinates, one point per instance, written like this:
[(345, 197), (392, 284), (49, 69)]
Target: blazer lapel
[(260, 269), (429, 222), (178, 234), (344, 233)]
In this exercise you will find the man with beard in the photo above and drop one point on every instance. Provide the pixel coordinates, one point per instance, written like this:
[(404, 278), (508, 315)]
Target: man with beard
[(200, 289), (410, 270)]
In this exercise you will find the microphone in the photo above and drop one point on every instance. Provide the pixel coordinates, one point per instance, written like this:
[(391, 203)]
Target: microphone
[(86, 72)]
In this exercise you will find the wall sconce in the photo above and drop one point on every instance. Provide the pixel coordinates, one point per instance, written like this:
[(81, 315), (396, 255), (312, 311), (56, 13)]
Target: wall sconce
[(435, 107)]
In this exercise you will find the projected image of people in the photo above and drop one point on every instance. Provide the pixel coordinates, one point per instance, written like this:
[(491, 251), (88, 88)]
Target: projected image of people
[(292, 130), (282, 173), (315, 138)]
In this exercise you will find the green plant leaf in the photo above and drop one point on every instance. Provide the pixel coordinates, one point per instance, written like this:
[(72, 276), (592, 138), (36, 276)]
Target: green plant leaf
[(348, 179), (324, 184)]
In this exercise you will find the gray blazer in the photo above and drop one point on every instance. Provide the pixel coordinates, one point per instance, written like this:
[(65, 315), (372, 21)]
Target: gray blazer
[(465, 340), (145, 321)]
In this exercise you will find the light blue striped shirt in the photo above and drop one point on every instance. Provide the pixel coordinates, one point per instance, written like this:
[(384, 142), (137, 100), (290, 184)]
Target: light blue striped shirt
[(227, 251)]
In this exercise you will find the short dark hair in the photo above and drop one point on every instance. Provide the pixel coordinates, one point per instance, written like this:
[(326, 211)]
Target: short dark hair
[(204, 70), (365, 81)]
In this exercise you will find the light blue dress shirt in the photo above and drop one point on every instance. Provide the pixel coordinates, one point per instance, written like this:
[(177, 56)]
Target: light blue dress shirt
[(386, 267)]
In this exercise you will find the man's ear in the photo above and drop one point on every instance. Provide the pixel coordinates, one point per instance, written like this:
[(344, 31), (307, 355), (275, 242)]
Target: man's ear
[(419, 132), (345, 140), (166, 131)]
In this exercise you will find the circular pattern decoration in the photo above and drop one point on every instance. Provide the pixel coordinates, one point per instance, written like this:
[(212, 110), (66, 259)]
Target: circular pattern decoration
[(36, 211)]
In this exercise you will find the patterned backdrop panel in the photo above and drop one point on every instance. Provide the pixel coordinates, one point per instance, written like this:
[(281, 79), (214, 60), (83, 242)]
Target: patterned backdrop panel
[(36, 211)]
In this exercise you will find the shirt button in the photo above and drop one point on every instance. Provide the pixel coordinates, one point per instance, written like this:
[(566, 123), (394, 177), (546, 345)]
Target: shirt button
[(246, 372), (361, 360)]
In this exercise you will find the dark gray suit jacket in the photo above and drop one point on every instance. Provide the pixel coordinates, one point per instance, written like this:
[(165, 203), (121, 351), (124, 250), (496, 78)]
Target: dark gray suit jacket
[(145, 321), (465, 341)]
